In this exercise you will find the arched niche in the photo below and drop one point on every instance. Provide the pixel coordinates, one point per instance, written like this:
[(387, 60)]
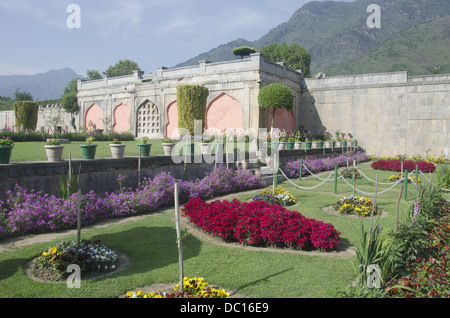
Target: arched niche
[(223, 112), (121, 115), (94, 115)]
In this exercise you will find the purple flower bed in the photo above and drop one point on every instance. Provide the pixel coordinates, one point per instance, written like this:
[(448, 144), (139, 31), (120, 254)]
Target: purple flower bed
[(315, 165), (26, 212)]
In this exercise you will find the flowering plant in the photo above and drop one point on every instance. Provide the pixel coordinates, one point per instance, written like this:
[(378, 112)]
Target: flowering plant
[(6, 142), (259, 223), (397, 177), (92, 257), (396, 165), (53, 142), (355, 205), (280, 196), (116, 141), (192, 288)]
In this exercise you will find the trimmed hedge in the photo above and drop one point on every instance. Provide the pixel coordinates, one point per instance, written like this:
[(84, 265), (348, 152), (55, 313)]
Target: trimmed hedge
[(26, 114), (191, 100)]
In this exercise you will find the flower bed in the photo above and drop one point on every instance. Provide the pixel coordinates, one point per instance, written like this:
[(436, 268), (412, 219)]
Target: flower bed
[(355, 206), (396, 165), (281, 197), (26, 212), (92, 258), (315, 165), (259, 223), (429, 276), (396, 177), (192, 288)]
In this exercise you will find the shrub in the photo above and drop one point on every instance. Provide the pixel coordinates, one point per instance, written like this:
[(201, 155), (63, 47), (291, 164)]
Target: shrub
[(191, 101), (259, 223), (26, 114)]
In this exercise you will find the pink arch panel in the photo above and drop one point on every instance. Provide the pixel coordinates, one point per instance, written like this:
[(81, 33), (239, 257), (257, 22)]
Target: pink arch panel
[(284, 119), (223, 112), (172, 121), (121, 119), (94, 114)]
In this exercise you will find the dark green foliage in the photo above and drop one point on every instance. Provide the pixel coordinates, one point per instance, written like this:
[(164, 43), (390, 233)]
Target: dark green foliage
[(26, 114), (22, 96), (243, 51), (69, 103), (121, 68), (191, 100), (294, 55), (275, 95)]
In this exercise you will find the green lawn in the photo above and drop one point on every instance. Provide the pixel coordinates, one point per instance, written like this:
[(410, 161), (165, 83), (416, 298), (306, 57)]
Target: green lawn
[(150, 244), (34, 151)]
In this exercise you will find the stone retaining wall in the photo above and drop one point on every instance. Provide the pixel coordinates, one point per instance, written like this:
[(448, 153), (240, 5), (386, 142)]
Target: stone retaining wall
[(100, 175)]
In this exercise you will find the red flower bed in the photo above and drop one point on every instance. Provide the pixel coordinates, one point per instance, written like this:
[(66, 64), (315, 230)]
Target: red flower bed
[(259, 223), (395, 165)]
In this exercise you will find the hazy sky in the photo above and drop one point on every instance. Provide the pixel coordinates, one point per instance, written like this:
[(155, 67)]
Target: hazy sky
[(35, 36)]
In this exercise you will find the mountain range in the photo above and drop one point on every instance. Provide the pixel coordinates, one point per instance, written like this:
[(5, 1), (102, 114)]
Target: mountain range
[(336, 33), (42, 86)]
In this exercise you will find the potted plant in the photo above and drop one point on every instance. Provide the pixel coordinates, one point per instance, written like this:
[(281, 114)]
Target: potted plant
[(290, 142), (244, 162), (88, 149), (144, 147), (257, 167), (315, 144), (6, 146), (355, 143), (117, 149), (54, 150), (168, 144), (308, 143), (268, 158), (206, 146), (297, 141)]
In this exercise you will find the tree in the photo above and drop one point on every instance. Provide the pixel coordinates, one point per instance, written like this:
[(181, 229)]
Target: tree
[(294, 55), (71, 87), (243, 51), (93, 75), (69, 103), (275, 96), (121, 68), (69, 100), (22, 96)]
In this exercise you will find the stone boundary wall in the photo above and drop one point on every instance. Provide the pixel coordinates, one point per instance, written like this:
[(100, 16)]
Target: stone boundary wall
[(45, 114), (389, 113), (100, 175)]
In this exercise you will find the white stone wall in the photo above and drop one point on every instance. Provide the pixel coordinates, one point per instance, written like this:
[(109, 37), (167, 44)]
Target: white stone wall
[(388, 113), (46, 116)]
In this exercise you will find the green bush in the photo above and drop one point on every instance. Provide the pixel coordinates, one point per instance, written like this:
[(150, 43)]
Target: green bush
[(26, 114), (191, 101)]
